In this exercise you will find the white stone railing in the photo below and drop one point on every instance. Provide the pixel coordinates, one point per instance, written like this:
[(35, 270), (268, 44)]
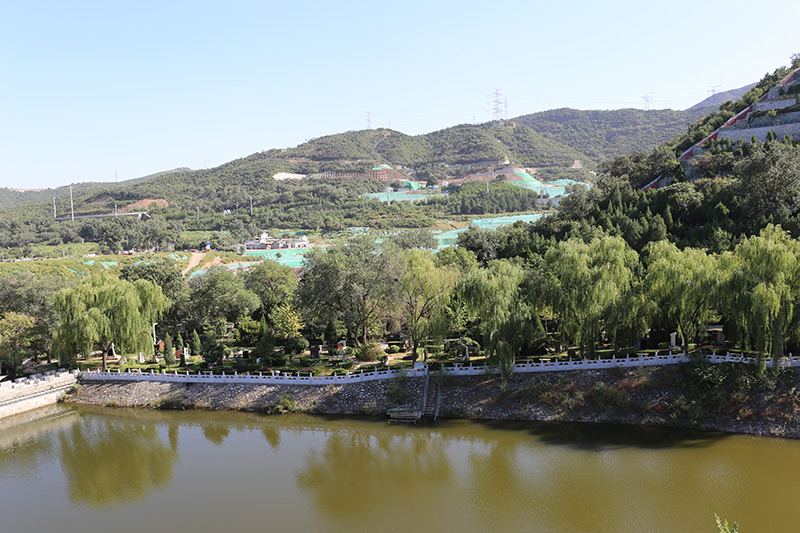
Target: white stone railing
[(271, 378), (458, 369), (22, 387)]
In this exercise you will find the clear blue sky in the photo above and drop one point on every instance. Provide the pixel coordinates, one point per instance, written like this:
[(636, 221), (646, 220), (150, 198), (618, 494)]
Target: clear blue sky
[(90, 88)]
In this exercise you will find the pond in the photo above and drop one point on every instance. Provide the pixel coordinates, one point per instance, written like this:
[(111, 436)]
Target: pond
[(86, 469)]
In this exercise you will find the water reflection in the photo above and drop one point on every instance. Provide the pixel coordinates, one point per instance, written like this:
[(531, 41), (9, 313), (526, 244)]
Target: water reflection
[(107, 460), (106, 469), (27, 441), (377, 469), (216, 433)]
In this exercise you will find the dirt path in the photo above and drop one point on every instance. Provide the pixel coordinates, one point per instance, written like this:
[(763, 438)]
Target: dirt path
[(194, 260)]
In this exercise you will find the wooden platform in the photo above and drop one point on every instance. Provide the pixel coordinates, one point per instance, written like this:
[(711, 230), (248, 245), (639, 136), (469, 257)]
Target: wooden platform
[(404, 414)]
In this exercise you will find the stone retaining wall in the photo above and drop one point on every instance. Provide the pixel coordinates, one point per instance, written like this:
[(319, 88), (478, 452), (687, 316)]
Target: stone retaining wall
[(373, 397), (35, 391)]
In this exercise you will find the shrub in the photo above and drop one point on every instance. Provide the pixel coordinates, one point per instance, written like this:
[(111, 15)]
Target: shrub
[(397, 393), (607, 396), (285, 404), (213, 352), (369, 352), (393, 349), (296, 345)]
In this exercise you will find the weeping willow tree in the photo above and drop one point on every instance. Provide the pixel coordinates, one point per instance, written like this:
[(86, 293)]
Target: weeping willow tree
[(507, 319), (102, 311), (684, 284), (426, 288), (583, 283), (761, 291)]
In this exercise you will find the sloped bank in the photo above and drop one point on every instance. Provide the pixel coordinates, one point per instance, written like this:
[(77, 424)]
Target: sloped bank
[(724, 397), (367, 398)]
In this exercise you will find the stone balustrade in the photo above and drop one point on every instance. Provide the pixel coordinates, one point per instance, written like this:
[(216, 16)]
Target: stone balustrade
[(22, 387), (458, 369), (35, 391)]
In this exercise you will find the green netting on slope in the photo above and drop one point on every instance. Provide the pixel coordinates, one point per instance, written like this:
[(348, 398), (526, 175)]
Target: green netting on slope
[(399, 196), (413, 185), (292, 257), (496, 222), (450, 238), (553, 188)]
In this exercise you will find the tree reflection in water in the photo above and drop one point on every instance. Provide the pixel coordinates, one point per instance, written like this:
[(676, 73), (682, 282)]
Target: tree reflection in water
[(374, 469), (216, 432), (107, 461)]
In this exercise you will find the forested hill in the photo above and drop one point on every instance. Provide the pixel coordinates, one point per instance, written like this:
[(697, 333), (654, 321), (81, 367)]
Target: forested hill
[(422, 156), (717, 99), (16, 197), (605, 134)]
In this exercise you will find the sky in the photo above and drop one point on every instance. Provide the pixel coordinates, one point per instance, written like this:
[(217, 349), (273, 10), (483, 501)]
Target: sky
[(105, 91)]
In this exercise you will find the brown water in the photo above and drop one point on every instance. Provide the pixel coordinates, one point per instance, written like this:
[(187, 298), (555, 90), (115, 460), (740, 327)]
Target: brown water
[(77, 469)]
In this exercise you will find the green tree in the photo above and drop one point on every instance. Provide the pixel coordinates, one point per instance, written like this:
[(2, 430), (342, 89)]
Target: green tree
[(169, 351), (161, 271), (180, 347), (409, 239), (266, 350), (287, 321), (425, 289), (507, 320), (769, 180), (356, 282), (272, 282), (220, 295), (249, 331), (583, 281), (32, 294), (103, 311), (16, 335), (683, 283), (195, 345), (762, 290), (213, 352)]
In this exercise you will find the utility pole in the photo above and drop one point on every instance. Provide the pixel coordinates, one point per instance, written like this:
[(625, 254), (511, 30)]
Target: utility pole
[(71, 205), (497, 114), (251, 206), (198, 213), (54, 208)]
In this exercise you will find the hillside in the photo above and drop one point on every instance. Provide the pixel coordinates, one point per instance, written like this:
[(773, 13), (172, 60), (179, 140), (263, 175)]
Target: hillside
[(16, 197), (550, 139), (606, 134), (717, 99), (436, 154)]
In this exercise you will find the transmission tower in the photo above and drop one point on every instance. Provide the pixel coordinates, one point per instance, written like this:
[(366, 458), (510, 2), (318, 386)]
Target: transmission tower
[(648, 99), (714, 89), (505, 104), (369, 120), (497, 109)]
